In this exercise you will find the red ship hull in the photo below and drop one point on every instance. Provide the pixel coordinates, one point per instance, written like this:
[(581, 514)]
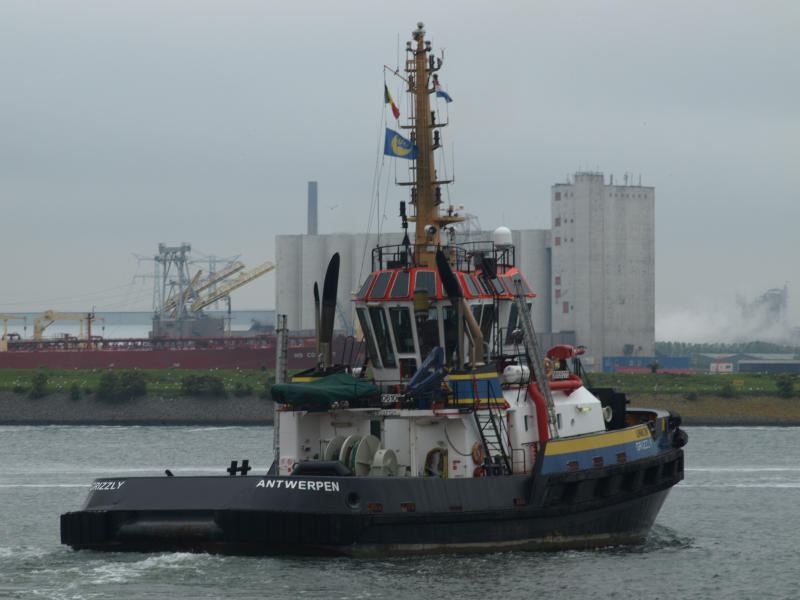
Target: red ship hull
[(190, 353)]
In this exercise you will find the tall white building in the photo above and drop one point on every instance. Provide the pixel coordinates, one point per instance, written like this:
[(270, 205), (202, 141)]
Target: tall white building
[(603, 264), (593, 272)]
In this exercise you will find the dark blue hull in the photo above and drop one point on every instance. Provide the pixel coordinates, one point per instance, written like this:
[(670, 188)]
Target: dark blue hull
[(616, 504)]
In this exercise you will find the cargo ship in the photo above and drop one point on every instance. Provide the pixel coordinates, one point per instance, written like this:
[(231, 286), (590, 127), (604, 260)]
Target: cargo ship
[(458, 435), (182, 335), (225, 352)]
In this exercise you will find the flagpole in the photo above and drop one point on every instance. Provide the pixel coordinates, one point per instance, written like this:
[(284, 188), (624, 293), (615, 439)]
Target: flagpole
[(394, 72)]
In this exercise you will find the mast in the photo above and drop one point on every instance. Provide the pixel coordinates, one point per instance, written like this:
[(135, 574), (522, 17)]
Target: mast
[(426, 191)]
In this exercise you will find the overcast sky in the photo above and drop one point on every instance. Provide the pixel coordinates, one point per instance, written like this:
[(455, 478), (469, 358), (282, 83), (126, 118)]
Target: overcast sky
[(126, 124)]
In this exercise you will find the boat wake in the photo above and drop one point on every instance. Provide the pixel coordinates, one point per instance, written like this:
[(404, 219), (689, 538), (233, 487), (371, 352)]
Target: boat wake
[(660, 538), (126, 571)]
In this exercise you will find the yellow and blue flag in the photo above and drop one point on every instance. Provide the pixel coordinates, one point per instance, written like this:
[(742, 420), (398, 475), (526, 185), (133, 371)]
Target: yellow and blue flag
[(397, 145)]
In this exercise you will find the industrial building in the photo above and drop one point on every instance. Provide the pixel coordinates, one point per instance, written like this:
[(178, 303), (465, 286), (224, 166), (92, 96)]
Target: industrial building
[(593, 272), (603, 264)]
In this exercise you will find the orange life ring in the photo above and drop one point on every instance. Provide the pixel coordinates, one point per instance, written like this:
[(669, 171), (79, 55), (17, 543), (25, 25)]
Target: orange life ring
[(477, 453), (548, 368)]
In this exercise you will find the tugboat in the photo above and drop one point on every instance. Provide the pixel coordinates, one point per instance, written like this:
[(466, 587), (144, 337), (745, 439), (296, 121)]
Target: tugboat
[(457, 434)]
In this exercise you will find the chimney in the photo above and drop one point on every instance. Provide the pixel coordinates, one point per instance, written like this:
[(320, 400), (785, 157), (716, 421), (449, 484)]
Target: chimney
[(312, 208)]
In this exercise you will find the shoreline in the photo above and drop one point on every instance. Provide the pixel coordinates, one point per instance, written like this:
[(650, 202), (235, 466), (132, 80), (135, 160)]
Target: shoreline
[(60, 410)]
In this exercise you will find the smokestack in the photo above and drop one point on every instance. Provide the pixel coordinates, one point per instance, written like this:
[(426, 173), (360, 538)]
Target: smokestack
[(312, 208)]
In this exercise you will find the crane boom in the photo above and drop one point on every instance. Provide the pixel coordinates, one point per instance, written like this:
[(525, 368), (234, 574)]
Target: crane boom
[(51, 316), (198, 285), (7, 318), (226, 288)]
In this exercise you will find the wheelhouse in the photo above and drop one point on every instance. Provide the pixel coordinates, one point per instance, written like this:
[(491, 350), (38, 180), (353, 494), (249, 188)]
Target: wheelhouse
[(404, 312)]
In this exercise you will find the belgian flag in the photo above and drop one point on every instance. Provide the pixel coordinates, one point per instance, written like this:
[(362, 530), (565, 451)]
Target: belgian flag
[(387, 97)]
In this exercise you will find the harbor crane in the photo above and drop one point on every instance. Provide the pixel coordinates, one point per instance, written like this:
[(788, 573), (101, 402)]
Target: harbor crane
[(179, 298), (198, 285), (227, 287), (6, 319), (50, 316)]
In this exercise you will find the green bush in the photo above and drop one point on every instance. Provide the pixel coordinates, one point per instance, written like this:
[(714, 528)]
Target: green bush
[(691, 396), (727, 391), (242, 389), (38, 385), (133, 383), (74, 392), (266, 393), (203, 385), (19, 388), (785, 385), (118, 386)]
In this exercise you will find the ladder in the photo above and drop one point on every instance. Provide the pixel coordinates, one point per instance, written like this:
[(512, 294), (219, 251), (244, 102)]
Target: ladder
[(491, 438), (534, 354)]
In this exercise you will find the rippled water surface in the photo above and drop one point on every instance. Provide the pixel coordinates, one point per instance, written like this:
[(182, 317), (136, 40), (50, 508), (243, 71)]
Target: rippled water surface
[(730, 530)]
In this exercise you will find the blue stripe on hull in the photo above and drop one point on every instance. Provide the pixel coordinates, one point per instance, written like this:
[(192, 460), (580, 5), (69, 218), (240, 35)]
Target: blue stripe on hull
[(610, 455)]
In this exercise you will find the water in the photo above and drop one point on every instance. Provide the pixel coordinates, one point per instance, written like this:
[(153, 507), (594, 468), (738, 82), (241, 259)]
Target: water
[(729, 530), (123, 325)]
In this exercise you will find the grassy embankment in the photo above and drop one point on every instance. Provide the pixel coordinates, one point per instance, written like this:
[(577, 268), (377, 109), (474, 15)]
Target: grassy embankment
[(701, 398), (168, 383)]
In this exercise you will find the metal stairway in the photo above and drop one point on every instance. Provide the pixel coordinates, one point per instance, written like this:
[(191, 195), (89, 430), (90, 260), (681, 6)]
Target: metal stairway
[(491, 428)]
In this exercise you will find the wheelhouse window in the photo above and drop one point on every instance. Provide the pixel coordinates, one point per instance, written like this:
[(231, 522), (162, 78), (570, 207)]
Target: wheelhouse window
[(367, 331), (471, 285), (450, 322), (400, 287), (486, 320), (428, 331), (499, 286), (381, 285), (512, 289), (382, 337), (403, 329), (476, 312), (365, 288), (426, 282), (513, 322), (487, 288), (408, 366), (525, 287)]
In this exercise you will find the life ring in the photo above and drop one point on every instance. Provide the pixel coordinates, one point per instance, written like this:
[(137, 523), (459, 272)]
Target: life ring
[(479, 472), (548, 368), (477, 453)]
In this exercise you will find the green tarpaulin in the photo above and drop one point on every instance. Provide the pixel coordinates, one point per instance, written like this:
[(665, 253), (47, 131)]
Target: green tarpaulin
[(325, 391)]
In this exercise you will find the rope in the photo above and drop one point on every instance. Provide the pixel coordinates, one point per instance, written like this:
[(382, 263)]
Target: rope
[(452, 445), (375, 203)]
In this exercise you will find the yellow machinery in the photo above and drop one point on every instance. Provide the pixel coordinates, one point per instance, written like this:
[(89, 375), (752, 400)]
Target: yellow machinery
[(6, 319), (50, 316), (226, 288), (198, 285)]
